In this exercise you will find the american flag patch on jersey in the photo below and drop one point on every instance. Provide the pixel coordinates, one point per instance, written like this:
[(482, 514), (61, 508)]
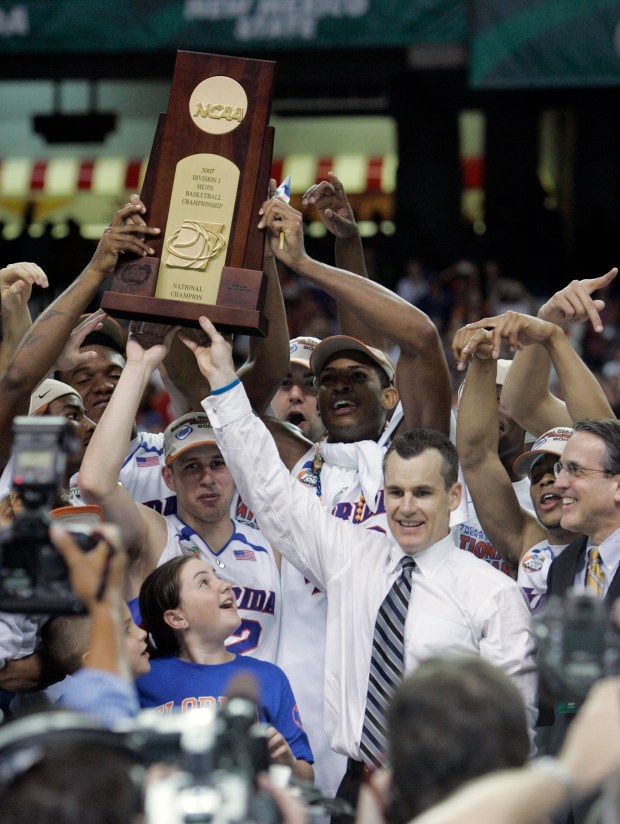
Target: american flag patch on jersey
[(147, 460), (244, 555)]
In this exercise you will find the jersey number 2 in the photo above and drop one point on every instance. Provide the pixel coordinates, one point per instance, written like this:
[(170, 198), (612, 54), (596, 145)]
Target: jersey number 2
[(246, 638)]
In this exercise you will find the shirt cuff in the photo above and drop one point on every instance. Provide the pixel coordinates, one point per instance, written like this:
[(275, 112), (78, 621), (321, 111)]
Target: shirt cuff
[(227, 407), (102, 694)]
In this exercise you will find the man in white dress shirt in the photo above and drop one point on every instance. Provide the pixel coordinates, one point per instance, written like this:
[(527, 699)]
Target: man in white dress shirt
[(458, 604)]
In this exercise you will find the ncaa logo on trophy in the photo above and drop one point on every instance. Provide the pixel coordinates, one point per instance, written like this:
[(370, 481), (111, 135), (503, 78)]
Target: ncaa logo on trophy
[(207, 175)]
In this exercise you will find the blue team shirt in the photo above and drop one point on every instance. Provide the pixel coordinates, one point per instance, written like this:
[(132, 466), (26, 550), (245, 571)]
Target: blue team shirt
[(175, 685)]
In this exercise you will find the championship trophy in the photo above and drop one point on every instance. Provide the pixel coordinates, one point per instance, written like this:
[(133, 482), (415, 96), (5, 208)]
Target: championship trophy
[(207, 176)]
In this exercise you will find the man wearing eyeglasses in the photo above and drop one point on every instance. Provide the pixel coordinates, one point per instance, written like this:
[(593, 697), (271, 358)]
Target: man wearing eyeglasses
[(583, 484), (587, 473), (527, 540), (588, 477)]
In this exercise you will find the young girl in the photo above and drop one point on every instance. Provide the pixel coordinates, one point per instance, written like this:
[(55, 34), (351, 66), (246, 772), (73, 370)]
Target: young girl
[(189, 613)]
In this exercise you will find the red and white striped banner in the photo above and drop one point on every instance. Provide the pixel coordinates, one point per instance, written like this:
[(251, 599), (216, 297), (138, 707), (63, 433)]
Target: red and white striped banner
[(64, 177), (22, 177)]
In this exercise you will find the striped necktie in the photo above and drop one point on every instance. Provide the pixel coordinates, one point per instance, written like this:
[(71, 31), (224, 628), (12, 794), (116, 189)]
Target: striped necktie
[(595, 577), (387, 663)]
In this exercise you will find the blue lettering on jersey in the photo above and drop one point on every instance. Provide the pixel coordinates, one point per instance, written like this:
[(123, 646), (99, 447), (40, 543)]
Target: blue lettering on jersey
[(346, 510), (169, 506), (343, 511), (257, 600)]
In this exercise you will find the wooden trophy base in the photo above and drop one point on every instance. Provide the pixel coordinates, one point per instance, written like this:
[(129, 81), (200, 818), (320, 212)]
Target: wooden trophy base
[(241, 291)]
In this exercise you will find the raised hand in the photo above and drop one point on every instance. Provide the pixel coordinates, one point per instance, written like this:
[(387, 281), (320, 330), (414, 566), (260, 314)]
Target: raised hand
[(96, 575), (123, 234), (519, 330), (16, 281), (214, 358), (278, 217), (469, 343), (574, 303), (71, 355), (136, 217), (332, 205), (149, 343)]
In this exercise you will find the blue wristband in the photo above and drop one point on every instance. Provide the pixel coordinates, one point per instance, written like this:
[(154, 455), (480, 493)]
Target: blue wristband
[(228, 386)]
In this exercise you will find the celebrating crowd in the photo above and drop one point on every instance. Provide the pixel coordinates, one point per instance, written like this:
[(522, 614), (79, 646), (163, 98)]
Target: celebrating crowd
[(322, 521)]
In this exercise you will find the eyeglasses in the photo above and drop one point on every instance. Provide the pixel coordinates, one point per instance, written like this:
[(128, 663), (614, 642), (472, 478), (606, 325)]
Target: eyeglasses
[(573, 470), (306, 386)]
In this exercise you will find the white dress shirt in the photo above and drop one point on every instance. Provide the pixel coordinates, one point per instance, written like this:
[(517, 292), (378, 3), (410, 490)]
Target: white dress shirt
[(609, 550), (458, 604)]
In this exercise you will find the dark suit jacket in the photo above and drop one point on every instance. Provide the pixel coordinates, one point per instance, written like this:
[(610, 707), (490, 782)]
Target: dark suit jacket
[(561, 578), (562, 571)]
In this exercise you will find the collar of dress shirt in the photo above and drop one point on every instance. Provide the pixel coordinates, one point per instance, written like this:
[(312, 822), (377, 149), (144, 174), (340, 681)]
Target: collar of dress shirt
[(429, 559), (610, 551)]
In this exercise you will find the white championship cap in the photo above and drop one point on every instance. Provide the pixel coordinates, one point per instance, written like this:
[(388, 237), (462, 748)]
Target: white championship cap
[(552, 442), (301, 350), (192, 429)]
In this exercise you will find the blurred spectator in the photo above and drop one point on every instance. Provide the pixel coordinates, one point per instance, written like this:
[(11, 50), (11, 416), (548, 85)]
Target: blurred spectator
[(155, 412), (413, 286), (310, 312)]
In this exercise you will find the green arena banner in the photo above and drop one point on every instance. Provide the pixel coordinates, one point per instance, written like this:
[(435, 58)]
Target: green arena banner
[(544, 43), (140, 26)]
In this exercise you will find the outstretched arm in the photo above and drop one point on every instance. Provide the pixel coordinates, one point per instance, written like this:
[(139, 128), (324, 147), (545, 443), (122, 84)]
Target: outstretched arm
[(16, 281), (283, 507), (104, 685), (330, 200), (141, 528), (509, 528), (268, 357), (526, 393), (423, 381), (584, 396), (96, 578), (42, 345)]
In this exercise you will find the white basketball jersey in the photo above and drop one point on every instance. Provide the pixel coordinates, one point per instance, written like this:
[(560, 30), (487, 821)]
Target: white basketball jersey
[(141, 475), (248, 563)]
